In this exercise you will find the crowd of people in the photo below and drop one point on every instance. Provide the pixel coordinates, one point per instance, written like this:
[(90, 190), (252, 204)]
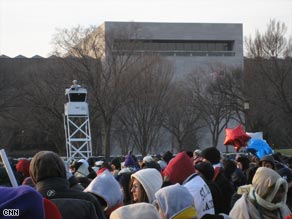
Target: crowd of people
[(190, 185)]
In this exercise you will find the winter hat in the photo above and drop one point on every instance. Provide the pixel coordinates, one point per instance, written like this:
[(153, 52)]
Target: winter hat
[(264, 179), (167, 156), (106, 187), (82, 170), (51, 210), (268, 158), (179, 168), (46, 164), (197, 152), (174, 199), (22, 166), (99, 163), (148, 159), (150, 179), (24, 198), (206, 169), (162, 164), (211, 154), (134, 211), (129, 161)]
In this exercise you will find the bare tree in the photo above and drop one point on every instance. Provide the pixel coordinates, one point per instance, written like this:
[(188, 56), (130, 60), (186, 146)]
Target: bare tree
[(103, 63), (144, 113), (182, 118), (219, 98), (270, 65)]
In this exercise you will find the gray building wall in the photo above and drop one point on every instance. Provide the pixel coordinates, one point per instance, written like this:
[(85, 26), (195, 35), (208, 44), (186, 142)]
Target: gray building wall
[(186, 64)]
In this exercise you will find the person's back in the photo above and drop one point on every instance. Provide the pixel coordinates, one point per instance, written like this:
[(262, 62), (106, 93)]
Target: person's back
[(49, 175), (68, 208)]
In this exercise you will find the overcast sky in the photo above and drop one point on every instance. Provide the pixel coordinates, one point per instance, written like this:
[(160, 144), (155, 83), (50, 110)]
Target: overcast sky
[(27, 26)]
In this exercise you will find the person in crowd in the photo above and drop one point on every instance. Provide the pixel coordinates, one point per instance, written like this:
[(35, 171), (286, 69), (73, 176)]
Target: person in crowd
[(175, 202), (73, 182), (136, 211), (286, 174), (206, 171), (124, 181), (212, 155), (167, 156), (48, 172), (91, 164), (107, 190), (268, 161), (22, 167), (104, 166), (28, 202), (116, 166), (266, 199), (196, 156), (130, 165), (181, 170), (80, 171), (149, 162), (144, 183), (243, 164)]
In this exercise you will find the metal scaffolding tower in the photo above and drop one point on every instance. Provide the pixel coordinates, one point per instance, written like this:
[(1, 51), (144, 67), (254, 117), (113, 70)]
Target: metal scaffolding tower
[(76, 123)]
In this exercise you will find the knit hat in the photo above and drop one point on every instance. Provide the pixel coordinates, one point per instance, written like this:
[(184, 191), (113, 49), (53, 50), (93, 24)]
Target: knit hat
[(179, 168), (206, 169), (173, 199), (148, 159), (25, 199), (211, 154), (150, 179), (129, 161), (46, 164), (22, 166), (134, 211), (51, 210), (106, 187)]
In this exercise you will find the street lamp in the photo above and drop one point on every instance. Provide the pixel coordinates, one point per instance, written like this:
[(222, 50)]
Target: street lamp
[(246, 109)]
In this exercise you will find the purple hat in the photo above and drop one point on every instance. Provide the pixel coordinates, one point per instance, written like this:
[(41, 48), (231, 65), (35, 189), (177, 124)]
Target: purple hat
[(129, 161)]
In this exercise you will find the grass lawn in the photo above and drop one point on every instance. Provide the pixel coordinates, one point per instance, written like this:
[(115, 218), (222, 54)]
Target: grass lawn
[(287, 152)]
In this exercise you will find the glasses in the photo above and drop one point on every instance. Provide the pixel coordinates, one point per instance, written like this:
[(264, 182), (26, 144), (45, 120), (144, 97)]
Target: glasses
[(135, 187)]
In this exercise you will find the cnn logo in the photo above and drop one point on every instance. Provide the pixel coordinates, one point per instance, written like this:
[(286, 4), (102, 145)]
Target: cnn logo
[(11, 212)]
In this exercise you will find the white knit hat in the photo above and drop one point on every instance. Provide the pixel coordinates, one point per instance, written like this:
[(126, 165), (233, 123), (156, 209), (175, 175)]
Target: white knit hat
[(151, 180), (148, 159), (106, 187), (140, 210)]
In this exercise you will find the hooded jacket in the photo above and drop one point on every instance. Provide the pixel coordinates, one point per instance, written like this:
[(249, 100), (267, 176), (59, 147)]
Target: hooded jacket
[(176, 202)]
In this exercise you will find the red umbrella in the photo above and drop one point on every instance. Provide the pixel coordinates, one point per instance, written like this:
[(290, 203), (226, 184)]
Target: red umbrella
[(236, 137)]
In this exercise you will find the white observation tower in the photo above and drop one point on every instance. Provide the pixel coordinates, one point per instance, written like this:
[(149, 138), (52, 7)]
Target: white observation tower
[(76, 123)]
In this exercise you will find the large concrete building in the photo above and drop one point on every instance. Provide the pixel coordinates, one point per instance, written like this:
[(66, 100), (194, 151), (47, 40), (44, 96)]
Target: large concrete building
[(189, 46)]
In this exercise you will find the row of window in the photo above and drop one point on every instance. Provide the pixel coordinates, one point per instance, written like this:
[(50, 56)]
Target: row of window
[(173, 45)]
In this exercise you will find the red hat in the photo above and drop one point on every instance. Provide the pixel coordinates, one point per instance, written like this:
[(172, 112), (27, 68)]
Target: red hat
[(179, 168), (51, 210), (22, 166)]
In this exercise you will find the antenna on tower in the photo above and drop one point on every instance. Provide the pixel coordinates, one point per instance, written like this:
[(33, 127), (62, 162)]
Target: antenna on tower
[(76, 123)]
